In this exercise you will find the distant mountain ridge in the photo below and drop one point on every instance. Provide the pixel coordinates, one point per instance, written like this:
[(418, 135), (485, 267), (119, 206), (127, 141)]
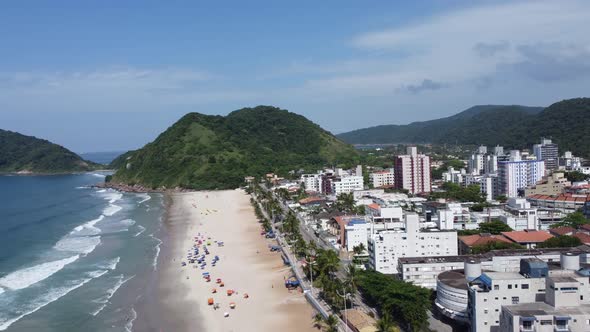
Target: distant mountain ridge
[(567, 122), (216, 152), (27, 154)]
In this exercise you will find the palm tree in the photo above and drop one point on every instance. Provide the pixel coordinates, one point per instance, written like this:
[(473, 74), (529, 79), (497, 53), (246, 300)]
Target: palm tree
[(318, 321), (345, 202), (385, 324), (331, 324), (351, 273)]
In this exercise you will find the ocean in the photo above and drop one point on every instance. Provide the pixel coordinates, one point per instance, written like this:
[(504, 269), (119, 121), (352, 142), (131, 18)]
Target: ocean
[(75, 258)]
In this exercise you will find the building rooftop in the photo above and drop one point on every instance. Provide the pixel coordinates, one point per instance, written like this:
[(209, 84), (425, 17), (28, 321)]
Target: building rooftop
[(527, 236), (311, 200), (494, 253), (504, 275), (564, 230), (562, 279), (482, 239), (544, 309), (453, 278)]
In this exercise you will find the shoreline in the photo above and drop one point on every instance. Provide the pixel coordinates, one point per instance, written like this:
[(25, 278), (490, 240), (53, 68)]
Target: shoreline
[(246, 266)]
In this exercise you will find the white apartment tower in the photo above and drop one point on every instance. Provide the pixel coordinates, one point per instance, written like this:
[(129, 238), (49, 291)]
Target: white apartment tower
[(516, 174), (412, 171)]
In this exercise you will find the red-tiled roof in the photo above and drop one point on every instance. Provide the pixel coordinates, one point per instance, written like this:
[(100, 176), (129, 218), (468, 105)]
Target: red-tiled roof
[(528, 236), (374, 206), (585, 238), (565, 230), (478, 239), (585, 227)]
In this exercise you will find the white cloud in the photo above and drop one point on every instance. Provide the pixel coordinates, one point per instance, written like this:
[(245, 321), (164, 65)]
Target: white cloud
[(469, 44)]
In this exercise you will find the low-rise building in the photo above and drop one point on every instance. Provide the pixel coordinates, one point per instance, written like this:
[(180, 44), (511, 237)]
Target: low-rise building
[(347, 184), (467, 242), (552, 185), (350, 230), (386, 247), (528, 238), (566, 203), (382, 179), (423, 271)]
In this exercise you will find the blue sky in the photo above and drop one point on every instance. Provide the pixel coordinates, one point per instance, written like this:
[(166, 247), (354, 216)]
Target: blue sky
[(111, 75)]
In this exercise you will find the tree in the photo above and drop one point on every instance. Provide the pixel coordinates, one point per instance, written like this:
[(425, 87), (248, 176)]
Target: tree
[(494, 245), (345, 203), (331, 324), (502, 198), (576, 176), (359, 249), (318, 320), (574, 220), (564, 241), (494, 227), (407, 304), (385, 324)]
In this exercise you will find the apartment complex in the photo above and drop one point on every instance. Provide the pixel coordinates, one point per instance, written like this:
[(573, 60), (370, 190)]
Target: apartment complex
[(412, 172), (516, 174), (548, 152), (408, 240), (385, 178)]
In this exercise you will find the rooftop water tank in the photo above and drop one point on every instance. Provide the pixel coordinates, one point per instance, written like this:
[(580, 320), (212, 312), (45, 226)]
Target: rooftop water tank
[(472, 269), (570, 261)]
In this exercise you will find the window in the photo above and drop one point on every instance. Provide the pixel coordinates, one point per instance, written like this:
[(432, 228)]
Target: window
[(524, 286), (496, 287), (561, 323), (509, 286), (546, 322), (515, 299), (527, 325), (485, 311)]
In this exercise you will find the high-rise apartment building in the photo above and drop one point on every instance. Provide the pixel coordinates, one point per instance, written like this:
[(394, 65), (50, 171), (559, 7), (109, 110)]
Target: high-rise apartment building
[(548, 152), (412, 171), (515, 174)]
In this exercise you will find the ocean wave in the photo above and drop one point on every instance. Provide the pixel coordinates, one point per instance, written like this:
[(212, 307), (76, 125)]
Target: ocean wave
[(98, 175), (129, 325), (102, 191), (104, 300), (145, 197), (26, 277), (82, 187), (111, 210), (52, 295), (78, 244), (141, 230), (155, 261), (1, 290), (89, 226), (110, 264)]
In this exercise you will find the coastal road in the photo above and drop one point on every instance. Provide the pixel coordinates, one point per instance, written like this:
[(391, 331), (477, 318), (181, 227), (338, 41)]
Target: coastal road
[(309, 235)]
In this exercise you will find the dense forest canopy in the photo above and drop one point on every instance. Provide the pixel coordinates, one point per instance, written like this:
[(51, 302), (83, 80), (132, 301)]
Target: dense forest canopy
[(216, 152), (566, 122), (20, 153)]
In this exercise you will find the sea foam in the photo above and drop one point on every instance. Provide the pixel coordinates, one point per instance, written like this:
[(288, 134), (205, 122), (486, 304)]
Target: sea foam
[(52, 295), (141, 230), (104, 300), (145, 198), (78, 244), (155, 261), (26, 277)]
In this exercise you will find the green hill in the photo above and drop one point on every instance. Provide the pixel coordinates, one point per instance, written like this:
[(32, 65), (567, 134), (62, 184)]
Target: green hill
[(216, 152), (28, 154), (566, 122)]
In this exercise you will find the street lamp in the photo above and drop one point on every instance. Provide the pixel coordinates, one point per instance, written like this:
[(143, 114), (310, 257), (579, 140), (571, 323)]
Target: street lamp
[(344, 296)]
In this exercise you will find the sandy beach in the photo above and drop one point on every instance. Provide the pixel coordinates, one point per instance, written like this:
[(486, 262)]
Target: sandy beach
[(245, 265)]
